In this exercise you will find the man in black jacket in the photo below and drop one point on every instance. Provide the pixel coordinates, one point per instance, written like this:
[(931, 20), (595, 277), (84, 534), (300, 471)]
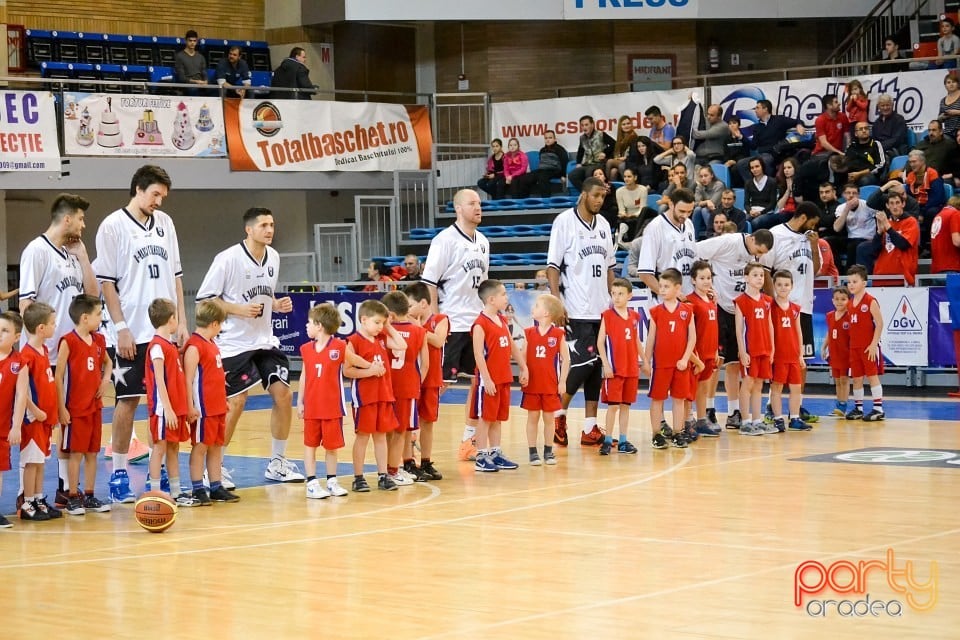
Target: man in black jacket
[(595, 147), (767, 133), (293, 74), (553, 164)]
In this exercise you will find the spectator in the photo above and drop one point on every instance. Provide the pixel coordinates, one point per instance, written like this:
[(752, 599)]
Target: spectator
[(788, 192), (411, 262), (553, 164), (678, 153), (706, 199), (728, 207), (857, 220), (735, 148), (879, 199), (609, 207), (857, 104), (760, 191), (768, 132), (817, 170), (233, 74), (542, 283), (865, 158), (891, 51), (948, 46), (293, 74), (890, 129), (924, 184), (710, 145), (515, 165), (377, 271), (829, 204), (945, 239), (640, 159), (828, 266), (938, 149), (595, 147), (832, 127), (493, 180), (678, 180), (189, 65), (661, 132), (950, 105), (893, 250), (719, 225), (631, 199), (626, 138)]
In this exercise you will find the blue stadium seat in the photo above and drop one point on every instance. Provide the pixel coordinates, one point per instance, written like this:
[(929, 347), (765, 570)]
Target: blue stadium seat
[(947, 190), (911, 139), (721, 171), (740, 198), (508, 204), (867, 191), (898, 163), (616, 184), (533, 160), (652, 200)]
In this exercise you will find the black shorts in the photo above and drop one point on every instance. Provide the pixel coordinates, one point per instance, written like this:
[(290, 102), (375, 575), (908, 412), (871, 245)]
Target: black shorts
[(129, 376), (806, 328), (458, 356), (265, 366), (586, 370), (727, 325)]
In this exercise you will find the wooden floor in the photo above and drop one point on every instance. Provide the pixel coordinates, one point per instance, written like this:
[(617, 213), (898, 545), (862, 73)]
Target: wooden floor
[(680, 544)]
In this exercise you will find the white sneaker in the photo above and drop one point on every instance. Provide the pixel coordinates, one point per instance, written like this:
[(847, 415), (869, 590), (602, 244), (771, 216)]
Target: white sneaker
[(400, 480), (187, 500), (315, 491), (406, 475), (282, 470), (334, 488), (226, 479)]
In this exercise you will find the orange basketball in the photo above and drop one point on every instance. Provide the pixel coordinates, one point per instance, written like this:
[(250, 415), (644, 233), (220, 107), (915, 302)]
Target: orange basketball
[(155, 511)]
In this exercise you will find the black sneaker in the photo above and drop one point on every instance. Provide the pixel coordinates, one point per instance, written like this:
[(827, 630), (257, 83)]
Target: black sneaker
[(29, 511), (690, 432), (605, 448), (202, 497), (659, 442), (4, 523), (222, 495), (734, 420), (74, 506), (61, 499), (360, 485), (431, 471), (386, 484), (411, 467), (53, 512), (874, 416), (854, 414), (93, 504), (712, 417), (665, 430), (678, 441)]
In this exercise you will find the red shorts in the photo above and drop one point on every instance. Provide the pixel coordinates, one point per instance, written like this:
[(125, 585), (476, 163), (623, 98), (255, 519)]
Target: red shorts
[(787, 373), (209, 430), (326, 433), (709, 367), (429, 406), (38, 433), (376, 417), (177, 431), (670, 381), (619, 390), (4, 454), (83, 433), (408, 416), (759, 368), (541, 402), (861, 366), (490, 408), (839, 373)]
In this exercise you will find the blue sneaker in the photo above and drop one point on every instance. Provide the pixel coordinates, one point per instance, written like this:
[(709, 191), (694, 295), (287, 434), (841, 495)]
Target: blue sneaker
[(120, 487), (502, 463), (165, 480), (796, 424), (484, 463), (779, 424), (624, 446), (806, 416), (706, 429)]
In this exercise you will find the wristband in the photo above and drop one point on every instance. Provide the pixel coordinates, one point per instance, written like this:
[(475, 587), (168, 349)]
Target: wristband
[(120, 326)]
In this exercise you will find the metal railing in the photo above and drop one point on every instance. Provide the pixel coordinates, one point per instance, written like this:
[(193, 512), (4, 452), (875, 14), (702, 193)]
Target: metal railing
[(866, 39)]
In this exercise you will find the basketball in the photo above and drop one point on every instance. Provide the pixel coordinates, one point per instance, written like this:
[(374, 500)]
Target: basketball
[(155, 511)]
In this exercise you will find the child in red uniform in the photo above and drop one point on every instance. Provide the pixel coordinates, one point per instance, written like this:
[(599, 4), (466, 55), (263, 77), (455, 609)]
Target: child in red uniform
[(408, 368), (671, 338), (866, 359), (166, 400), (548, 364), (755, 341), (621, 353), (14, 390), (321, 403), (788, 366), (373, 413), (707, 346), (42, 408), (83, 375), (836, 348), (428, 409), (490, 391), (207, 404)]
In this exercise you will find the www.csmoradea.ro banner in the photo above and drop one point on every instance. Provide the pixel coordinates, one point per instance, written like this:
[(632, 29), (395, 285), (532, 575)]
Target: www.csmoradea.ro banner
[(300, 135)]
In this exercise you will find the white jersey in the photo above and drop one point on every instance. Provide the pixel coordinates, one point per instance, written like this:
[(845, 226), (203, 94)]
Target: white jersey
[(791, 252), (583, 254), (456, 265), (667, 246), (728, 256), (51, 275), (239, 278), (142, 261)]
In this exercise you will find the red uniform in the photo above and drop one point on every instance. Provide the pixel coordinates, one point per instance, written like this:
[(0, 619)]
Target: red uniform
[(209, 393), (833, 129), (861, 335), (324, 404), (708, 333), (405, 366), (756, 329), (373, 397), (9, 371), (623, 355), (786, 355), (43, 393), (429, 405), (671, 342), (893, 261), (163, 427), (943, 255), (496, 353), (838, 341), (542, 392), (82, 382)]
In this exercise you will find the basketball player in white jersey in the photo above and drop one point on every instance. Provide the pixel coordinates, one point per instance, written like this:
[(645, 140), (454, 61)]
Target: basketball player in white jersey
[(580, 268), (728, 254), (244, 279), (669, 241), (457, 262), (54, 268), (138, 261)]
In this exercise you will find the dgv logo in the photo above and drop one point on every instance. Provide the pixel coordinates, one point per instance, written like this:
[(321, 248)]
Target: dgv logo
[(904, 319)]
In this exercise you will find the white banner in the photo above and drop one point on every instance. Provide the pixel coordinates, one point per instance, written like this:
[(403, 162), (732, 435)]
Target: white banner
[(98, 124), (916, 96), (629, 9), (314, 135), (905, 317), (28, 132), (527, 120)]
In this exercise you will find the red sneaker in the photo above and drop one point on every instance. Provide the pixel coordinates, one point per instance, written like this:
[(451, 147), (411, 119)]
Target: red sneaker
[(560, 430), (468, 450), (595, 437)]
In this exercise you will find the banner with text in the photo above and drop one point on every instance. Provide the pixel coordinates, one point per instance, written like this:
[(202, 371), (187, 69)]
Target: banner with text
[(28, 132), (98, 124), (308, 135), (916, 97), (527, 120)]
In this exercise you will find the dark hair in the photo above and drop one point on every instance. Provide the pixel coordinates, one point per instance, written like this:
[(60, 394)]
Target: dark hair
[(488, 288), (766, 104), (699, 266), (327, 316), (829, 185), (827, 99), (191, 34), (251, 214), (14, 319), (396, 302), (858, 270), (650, 145), (147, 175), (842, 290), (891, 38), (763, 237), (623, 283), (496, 140), (67, 204), (591, 183), (550, 131), (160, 312), (37, 314), (653, 112), (733, 117), (418, 292), (849, 185), (587, 118), (682, 195), (783, 274), (809, 209), (233, 48), (750, 266), (296, 51), (81, 305), (380, 267), (671, 275)]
